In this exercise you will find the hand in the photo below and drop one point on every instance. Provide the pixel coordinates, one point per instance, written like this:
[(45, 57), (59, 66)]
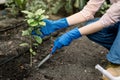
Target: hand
[(66, 39), (52, 26)]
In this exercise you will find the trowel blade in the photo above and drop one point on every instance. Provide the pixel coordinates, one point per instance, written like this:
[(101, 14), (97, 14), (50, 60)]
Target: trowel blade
[(44, 60)]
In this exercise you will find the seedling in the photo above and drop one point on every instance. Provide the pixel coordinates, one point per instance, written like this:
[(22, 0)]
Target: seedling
[(35, 22)]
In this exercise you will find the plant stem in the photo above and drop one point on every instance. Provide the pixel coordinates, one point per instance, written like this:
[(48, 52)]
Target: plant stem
[(30, 52), (30, 60)]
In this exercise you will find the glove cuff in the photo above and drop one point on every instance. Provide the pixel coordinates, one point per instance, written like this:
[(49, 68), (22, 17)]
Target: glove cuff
[(75, 33), (61, 23), (71, 35)]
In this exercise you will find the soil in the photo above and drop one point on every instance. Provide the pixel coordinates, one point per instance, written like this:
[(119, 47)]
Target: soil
[(74, 62)]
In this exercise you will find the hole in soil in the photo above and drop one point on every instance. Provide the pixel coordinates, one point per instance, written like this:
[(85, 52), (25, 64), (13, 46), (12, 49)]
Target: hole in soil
[(48, 77)]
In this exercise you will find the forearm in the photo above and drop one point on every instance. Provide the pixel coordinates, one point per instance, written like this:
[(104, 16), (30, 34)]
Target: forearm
[(75, 19), (91, 28), (86, 13)]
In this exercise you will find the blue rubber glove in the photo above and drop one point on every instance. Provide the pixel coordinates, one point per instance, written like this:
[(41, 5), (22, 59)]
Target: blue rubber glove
[(52, 26), (66, 39)]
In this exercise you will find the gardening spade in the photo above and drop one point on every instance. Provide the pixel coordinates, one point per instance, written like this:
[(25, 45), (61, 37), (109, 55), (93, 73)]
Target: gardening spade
[(47, 57)]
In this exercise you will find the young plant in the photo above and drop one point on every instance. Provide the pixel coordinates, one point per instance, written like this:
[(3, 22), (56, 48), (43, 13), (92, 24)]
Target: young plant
[(35, 22)]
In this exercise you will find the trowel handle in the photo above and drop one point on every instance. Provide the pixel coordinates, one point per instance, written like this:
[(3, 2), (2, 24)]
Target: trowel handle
[(53, 50)]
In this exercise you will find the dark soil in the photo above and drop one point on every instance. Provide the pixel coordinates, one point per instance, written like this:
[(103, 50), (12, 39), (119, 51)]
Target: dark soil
[(74, 62)]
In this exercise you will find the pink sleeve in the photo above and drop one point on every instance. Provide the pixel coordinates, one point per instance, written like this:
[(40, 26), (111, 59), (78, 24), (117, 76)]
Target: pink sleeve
[(112, 15), (91, 8)]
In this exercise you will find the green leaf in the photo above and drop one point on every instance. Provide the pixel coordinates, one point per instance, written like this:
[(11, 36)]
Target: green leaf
[(29, 21), (42, 17), (35, 23), (42, 23), (24, 44), (77, 3), (38, 32), (22, 1), (32, 52), (31, 15), (38, 39), (26, 12), (39, 12), (32, 22), (30, 29), (25, 33), (35, 44)]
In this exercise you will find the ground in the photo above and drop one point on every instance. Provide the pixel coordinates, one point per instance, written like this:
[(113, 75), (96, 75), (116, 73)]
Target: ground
[(74, 62)]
